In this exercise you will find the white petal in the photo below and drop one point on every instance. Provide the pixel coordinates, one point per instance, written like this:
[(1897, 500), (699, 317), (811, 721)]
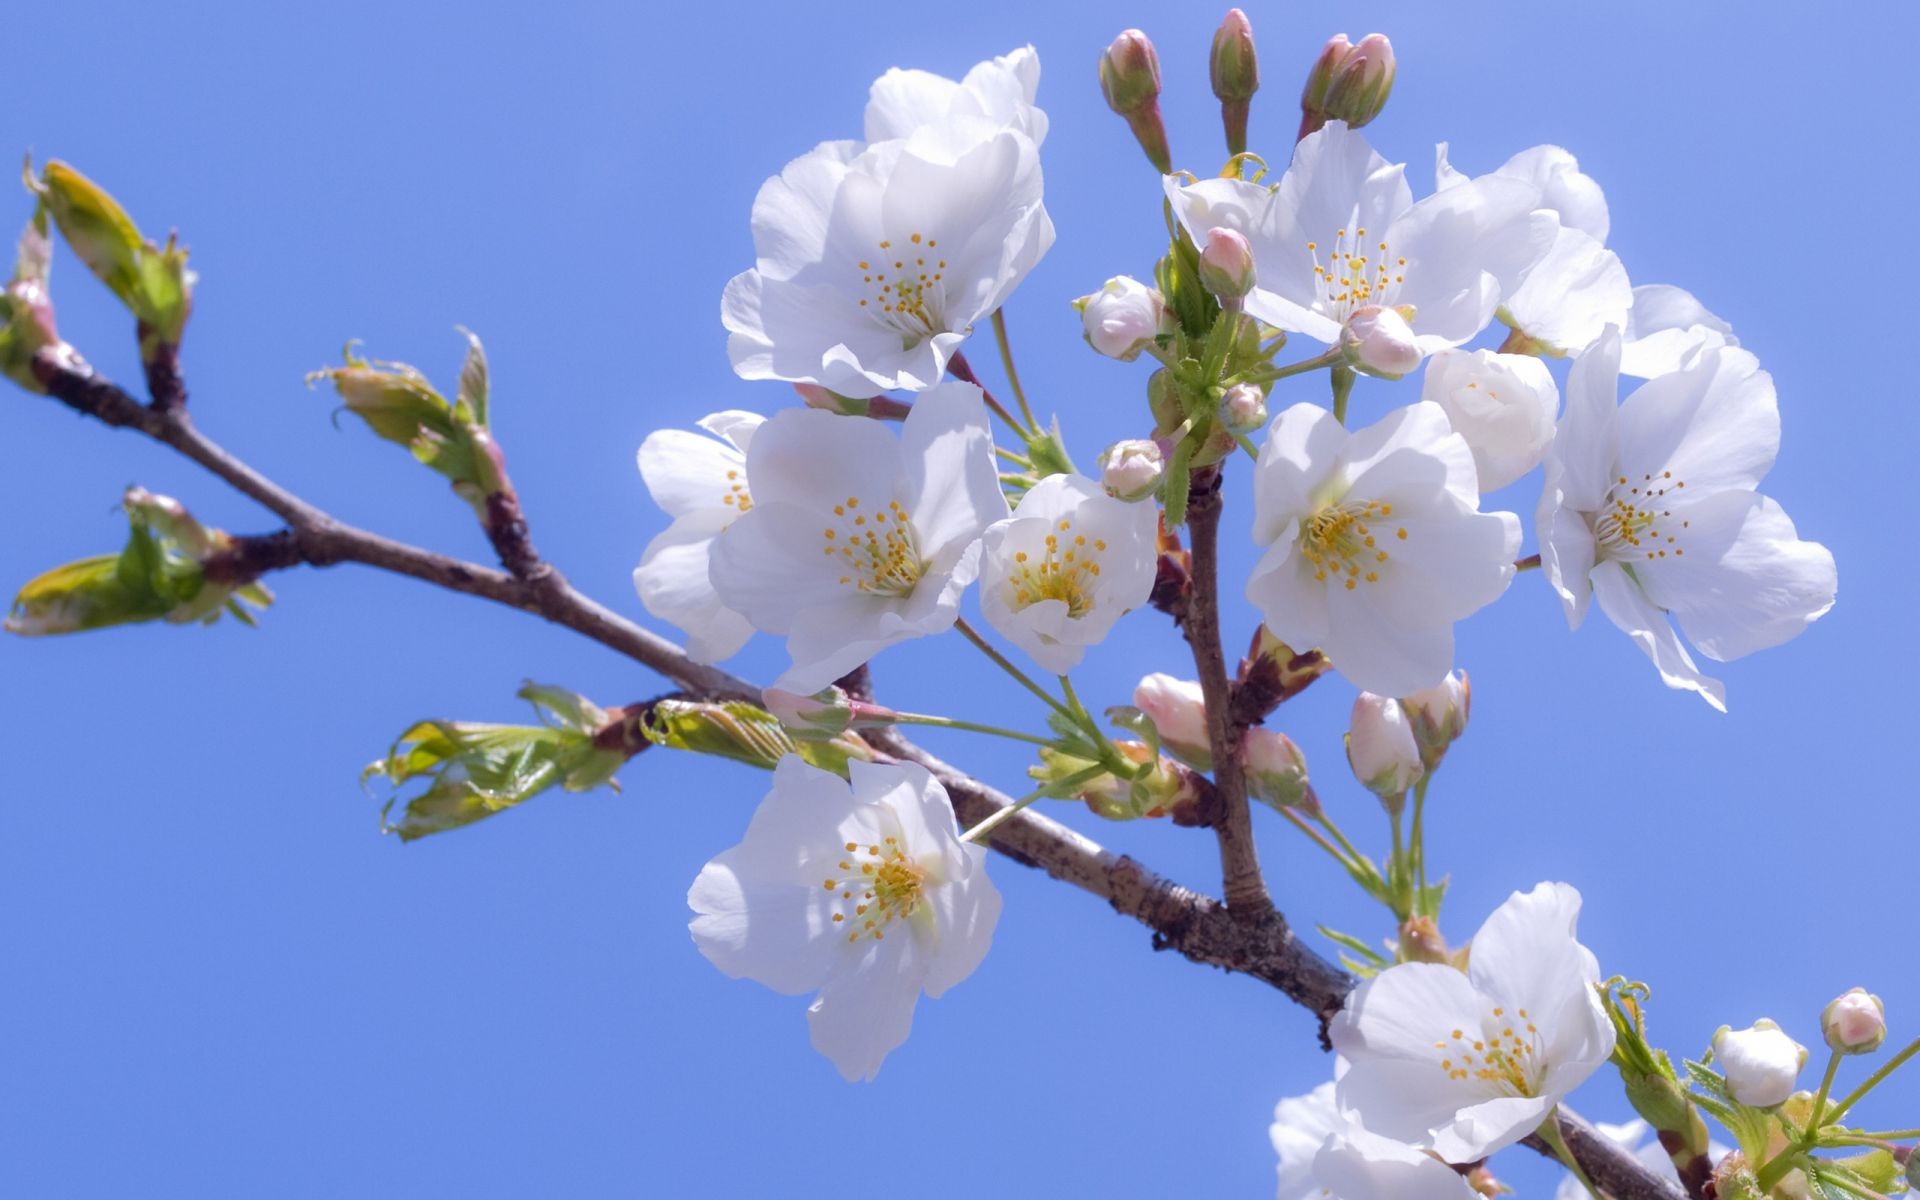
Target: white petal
[(1336, 181), (790, 211), (673, 583), (1714, 424), (685, 472), (1411, 452), (1378, 651), (1666, 327), (1302, 451), (966, 911), (866, 1010), (768, 567), (1628, 607), (1564, 188), (1573, 294), (1292, 603), (1393, 1032), (1300, 1126), (953, 484), (1567, 551), (1358, 1165), (1463, 247), (1587, 445)]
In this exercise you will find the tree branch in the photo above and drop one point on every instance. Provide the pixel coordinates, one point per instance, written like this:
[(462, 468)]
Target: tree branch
[(1246, 891), (1253, 940)]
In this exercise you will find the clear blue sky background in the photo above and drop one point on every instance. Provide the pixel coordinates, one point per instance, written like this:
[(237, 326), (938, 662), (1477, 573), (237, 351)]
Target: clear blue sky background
[(222, 981)]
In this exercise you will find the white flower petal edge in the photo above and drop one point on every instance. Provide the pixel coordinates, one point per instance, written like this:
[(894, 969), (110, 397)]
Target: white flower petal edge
[(1341, 233), (702, 484), (1650, 507), (1665, 329), (857, 540), (1375, 544), (872, 264), (1469, 1063), (1301, 1125), (1503, 404), (861, 890), (1000, 90), (1068, 564), (1579, 287), (1357, 1164)]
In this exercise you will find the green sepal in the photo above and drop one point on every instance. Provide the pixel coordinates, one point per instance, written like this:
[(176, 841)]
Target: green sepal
[(152, 281), (1363, 960)]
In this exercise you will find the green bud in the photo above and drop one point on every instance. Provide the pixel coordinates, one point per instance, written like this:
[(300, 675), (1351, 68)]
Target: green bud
[(1167, 400), (1130, 80), (1234, 67), (161, 575), (152, 281), (1156, 792), (746, 733), (1347, 82)]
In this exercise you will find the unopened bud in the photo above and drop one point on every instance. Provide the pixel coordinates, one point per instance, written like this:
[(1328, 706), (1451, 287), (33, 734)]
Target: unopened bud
[(1381, 749), (1132, 469), (880, 408), (1761, 1062), (1156, 793), (1379, 341), (826, 714), (1277, 771), (1226, 266), (27, 330), (1439, 715), (1234, 67), (1243, 408), (1130, 80), (153, 282), (1347, 82), (1123, 318), (1855, 1023), (1178, 708), (1167, 400)]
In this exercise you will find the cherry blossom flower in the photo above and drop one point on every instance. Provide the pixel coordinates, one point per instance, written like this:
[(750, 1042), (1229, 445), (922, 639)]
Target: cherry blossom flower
[(1123, 317), (1503, 404), (874, 262), (859, 890), (1650, 506), (1325, 1156), (1067, 564), (1301, 1125), (701, 482), (1466, 1063), (1762, 1064), (857, 539), (999, 91), (1578, 287), (1341, 234), (1375, 543)]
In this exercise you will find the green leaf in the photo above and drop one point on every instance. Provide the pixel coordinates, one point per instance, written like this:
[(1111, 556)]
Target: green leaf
[(472, 394)]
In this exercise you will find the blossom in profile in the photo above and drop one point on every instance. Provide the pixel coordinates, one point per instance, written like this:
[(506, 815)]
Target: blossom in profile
[(700, 482), (874, 262), (1665, 329), (1069, 563), (1651, 506), (1340, 236), (998, 92), (858, 539), (1762, 1064), (859, 890), (1375, 543), (1467, 1062)]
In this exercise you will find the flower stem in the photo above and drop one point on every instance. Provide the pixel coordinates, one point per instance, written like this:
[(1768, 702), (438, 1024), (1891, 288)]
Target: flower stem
[(1419, 849), (1006, 360), (1020, 460), (1319, 839), (1872, 1081), (1090, 725), (1530, 563), (1326, 822), (1890, 1135), (969, 727), (1550, 1134), (1342, 388), (1000, 660), (962, 370), (1001, 816), (1271, 374), (1820, 1097)]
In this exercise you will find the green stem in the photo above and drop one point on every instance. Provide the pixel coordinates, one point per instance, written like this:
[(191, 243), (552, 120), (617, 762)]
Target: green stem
[(1342, 388), (1270, 374), (994, 820), (1108, 753), (1872, 1081), (1550, 1134), (1326, 822), (1017, 459), (1419, 850), (1402, 908), (1006, 361), (1246, 443), (1319, 840), (1889, 1135), (1820, 1097), (969, 727), (1000, 660)]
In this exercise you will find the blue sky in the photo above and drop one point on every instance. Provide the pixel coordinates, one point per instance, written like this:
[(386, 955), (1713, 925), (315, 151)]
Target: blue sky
[(224, 982)]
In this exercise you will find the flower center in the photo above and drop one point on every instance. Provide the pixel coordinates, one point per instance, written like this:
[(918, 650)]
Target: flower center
[(1339, 542), (1634, 524), (1065, 571), (878, 553), (1355, 276), (878, 883), (1505, 1054), (903, 282), (736, 497)]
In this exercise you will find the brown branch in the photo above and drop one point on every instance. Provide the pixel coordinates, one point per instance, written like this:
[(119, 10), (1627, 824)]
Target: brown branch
[(1246, 892), (1254, 941)]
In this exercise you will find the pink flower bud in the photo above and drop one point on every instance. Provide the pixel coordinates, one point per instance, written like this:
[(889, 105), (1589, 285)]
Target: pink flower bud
[(1439, 715), (1320, 76), (1363, 82), (1123, 317), (1226, 266), (1130, 73), (1179, 711), (1855, 1023), (1243, 408), (824, 715), (1132, 469), (1379, 341), (1234, 67), (1381, 749), (1276, 770), (1761, 1063)]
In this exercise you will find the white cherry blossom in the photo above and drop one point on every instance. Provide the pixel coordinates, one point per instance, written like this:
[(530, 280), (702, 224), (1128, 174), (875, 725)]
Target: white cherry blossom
[(1341, 234), (1068, 564), (1762, 1064), (859, 890), (1325, 1156), (858, 539), (873, 263), (1375, 544), (701, 482), (1301, 1125), (1578, 287), (1503, 404), (999, 91), (1466, 1063), (1665, 328), (1651, 506)]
